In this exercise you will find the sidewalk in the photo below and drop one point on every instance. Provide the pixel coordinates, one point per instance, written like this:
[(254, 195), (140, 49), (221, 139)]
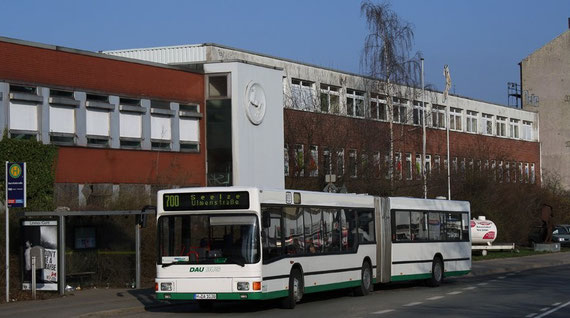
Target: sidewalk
[(114, 302)]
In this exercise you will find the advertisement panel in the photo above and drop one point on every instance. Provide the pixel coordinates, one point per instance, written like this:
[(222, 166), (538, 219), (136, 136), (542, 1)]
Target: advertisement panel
[(42, 233)]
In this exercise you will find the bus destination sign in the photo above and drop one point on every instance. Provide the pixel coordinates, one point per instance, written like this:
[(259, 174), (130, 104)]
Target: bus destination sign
[(205, 201)]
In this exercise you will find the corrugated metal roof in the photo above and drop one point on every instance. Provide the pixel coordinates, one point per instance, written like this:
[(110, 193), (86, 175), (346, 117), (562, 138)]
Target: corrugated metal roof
[(165, 54)]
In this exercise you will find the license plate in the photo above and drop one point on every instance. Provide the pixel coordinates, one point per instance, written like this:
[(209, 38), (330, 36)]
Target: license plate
[(205, 296)]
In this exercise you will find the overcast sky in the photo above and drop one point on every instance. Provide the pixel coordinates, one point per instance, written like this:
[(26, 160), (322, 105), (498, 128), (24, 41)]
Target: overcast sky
[(482, 41)]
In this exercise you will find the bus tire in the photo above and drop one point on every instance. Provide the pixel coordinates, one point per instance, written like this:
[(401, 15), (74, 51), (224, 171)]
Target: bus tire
[(366, 285), (436, 272), (295, 292)]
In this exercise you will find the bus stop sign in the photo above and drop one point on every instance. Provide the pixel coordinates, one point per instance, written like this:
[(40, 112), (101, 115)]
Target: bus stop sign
[(16, 184)]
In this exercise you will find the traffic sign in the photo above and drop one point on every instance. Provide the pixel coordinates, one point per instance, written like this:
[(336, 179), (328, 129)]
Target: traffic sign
[(16, 184)]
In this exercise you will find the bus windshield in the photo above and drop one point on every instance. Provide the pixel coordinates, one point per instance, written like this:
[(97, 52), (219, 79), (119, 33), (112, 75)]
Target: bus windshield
[(208, 239)]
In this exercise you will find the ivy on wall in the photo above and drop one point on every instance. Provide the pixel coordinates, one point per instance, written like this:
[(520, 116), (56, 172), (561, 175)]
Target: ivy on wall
[(40, 168)]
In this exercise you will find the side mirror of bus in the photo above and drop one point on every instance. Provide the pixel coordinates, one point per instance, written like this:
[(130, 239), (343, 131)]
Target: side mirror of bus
[(265, 220)]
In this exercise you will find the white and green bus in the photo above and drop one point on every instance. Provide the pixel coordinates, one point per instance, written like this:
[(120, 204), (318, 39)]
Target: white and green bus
[(238, 243)]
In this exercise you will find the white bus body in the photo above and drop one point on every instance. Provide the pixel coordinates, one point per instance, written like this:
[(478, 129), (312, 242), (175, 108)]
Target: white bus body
[(212, 244)]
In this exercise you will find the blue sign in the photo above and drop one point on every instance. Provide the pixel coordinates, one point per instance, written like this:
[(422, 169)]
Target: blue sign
[(16, 184)]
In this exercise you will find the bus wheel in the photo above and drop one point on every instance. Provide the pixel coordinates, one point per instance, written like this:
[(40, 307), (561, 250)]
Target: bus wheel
[(295, 290), (436, 273), (365, 282)]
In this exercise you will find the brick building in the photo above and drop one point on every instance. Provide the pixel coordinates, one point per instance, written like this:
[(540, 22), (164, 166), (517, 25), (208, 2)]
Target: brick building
[(337, 123), (122, 127)]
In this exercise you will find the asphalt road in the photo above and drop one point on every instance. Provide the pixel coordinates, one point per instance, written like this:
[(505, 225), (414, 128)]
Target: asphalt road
[(533, 293)]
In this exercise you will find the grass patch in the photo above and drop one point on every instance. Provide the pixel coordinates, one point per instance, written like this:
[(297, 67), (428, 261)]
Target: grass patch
[(518, 252)]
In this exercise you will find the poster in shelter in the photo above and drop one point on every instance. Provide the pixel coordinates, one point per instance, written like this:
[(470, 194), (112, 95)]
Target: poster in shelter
[(42, 233)]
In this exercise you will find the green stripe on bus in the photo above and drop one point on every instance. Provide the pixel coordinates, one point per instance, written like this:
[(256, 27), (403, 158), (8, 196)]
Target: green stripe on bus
[(320, 288), (456, 273), (400, 278)]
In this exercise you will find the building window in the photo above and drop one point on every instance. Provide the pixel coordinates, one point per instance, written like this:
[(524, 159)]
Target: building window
[(514, 128), (454, 164), (327, 163), (487, 124), (378, 108), (436, 163), (218, 86), (399, 108), (507, 172), (302, 94), (521, 173), (340, 162), (354, 103), (189, 124), (419, 166), (286, 160), (364, 165), (352, 163), (532, 174), (501, 125), (514, 172), (438, 116), (526, 173), (527, 130), (471, 121), (409, 171), (330, 99), (299, 161), (463, 165), (377, 165), (398, 165), (455, 118), (313, 161), (417, 113), (160, 145), (500, 172), (428, 165)]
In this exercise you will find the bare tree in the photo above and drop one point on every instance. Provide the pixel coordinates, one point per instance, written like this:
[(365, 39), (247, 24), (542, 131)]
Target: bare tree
[(387, 57)]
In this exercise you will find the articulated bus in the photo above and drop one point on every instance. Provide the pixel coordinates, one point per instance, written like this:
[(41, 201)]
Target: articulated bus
[(239, 243)]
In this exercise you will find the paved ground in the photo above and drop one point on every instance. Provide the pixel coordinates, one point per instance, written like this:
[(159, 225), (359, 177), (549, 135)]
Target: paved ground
[(113, 302)]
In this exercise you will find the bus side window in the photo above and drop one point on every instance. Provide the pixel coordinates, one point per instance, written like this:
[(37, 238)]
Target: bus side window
[(349, 230), (271, 233), (365, 227), (401, 227)]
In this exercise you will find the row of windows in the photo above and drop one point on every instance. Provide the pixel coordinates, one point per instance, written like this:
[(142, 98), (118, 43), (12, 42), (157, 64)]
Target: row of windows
[(93, 121), (289, 230), (422, 226), (329, 101), (406, 166)]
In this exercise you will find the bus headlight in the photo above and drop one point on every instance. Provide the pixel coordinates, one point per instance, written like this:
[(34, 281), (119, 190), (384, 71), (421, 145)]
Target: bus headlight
[(243, 286), (166, 286)]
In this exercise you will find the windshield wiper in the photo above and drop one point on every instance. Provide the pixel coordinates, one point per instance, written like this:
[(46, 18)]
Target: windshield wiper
[(175, 263), (236, 261)]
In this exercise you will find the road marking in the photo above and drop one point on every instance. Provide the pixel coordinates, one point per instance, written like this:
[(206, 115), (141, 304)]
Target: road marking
[(544, 309), (531, 315), (510, 274), (455, 292), (482, 284), (553, 310), (469, 288), (413, 304), (556, 304), (383, 311), (502, 277), (435, 298)]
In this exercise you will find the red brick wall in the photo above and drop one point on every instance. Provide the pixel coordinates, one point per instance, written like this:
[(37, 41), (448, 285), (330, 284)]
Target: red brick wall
[(36, 65), (337, 132), (88, 165)]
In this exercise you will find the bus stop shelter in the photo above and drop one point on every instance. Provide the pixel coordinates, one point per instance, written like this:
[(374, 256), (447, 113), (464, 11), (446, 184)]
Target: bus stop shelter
[(61, 214)]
